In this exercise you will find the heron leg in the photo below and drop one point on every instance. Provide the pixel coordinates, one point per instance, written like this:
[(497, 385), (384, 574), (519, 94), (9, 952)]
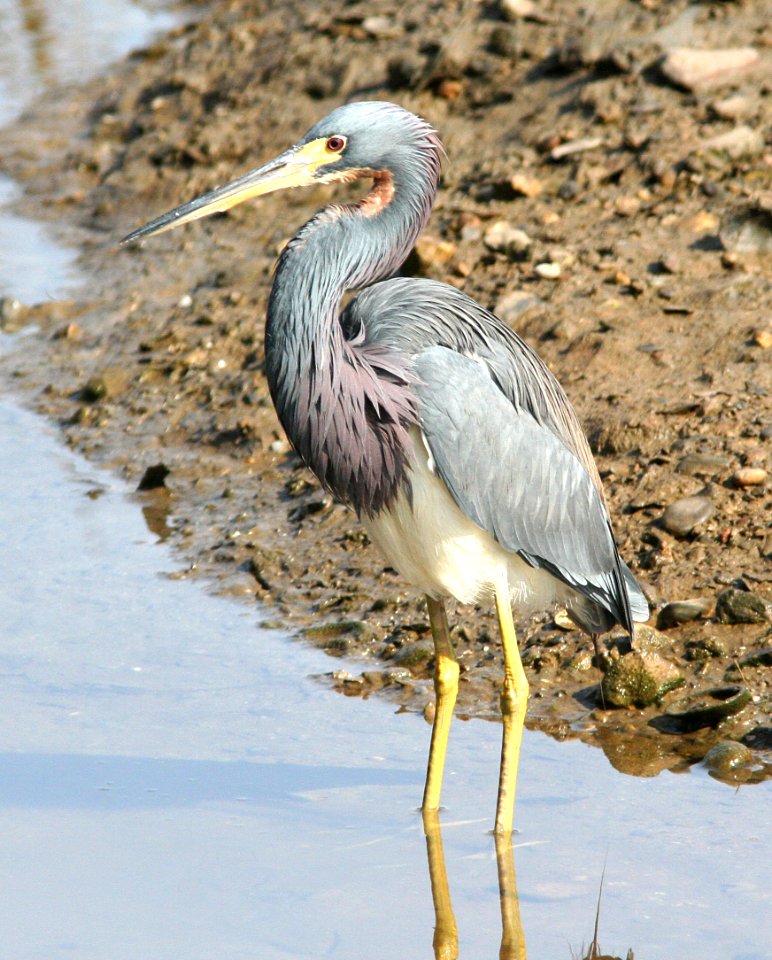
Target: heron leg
[(446, 688), (445, 929), (514, 700), (512, 934)]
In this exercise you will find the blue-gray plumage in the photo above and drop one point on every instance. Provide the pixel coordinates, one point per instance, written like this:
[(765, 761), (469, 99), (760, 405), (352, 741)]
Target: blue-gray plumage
[(430, 417)]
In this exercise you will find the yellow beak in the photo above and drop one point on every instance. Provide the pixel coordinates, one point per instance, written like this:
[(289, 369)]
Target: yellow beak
[(294, 168)]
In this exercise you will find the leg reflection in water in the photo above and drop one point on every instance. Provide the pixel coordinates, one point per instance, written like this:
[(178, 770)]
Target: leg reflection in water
[(445, 930)]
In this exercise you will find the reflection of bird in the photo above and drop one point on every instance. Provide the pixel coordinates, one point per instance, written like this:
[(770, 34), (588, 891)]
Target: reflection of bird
[(429, 416)]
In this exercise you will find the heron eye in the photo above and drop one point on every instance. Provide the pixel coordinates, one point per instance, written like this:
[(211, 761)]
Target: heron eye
[(336, 144)]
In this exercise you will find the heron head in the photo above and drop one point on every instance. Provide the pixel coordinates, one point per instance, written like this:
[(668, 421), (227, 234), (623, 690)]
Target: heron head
[(368, 138)]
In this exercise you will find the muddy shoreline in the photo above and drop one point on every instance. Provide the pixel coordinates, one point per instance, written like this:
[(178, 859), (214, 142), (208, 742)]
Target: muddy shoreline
[(657, 322)]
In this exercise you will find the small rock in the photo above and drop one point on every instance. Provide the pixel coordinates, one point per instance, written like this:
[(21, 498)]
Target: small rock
[(513, 305), (502, 237), (701, 69), (562, 620), (724, 757), (405, 70), (526, 186), (382, 27), (747, 228), (762, 338), (517, 9), (648, 640), (154, 477), (706, 648), (548, 271), (432, 251), (335, 637), (575, 146), (12, 314), (702, 464), (740, 606), (627, 206), (639, 679), (707, 708), (670, 264), (415, 655), (681, 517), (752, 660), (742, 141), (109, 383), (750, 477), (732, 108), (681, 611), (449, 89), (505, 42)]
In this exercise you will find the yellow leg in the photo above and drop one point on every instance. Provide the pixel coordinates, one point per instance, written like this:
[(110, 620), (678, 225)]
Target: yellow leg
[(512, 934), (514, 700), (446, 689), (445, 930)]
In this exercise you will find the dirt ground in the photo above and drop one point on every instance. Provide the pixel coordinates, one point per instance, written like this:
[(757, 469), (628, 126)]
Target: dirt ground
[(644, 282)]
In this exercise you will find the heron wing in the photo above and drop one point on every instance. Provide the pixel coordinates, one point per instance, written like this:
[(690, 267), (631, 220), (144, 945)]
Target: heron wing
[(515, 478), (413, 314)]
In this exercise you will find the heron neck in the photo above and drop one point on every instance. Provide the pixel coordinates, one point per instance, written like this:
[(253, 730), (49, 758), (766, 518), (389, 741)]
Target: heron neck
[(343, 403), (343, 248)]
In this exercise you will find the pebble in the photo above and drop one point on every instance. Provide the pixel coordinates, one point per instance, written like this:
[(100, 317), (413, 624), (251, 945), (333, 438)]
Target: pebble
[(627, 206), (740, 606), (414, 655), (705, 648), (575, 146), (513, 304), (747, 228), (109, 383), (432, 251), (526, 186), (548, 271), (382, 27), (749, 476), (742, 141), (502, 237), (517, 9), (681, 611), (681, 517), (154, 477), (10, 310), (726, 756), (701, 69), (505, 42), (707, 708), (732, 108), (638, 680), (705, 464)]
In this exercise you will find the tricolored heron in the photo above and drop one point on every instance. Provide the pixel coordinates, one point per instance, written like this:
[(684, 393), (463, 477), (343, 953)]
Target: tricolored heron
[(449, 437)]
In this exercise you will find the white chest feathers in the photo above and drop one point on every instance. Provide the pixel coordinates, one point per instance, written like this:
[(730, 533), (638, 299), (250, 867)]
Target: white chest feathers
[(435, 546)]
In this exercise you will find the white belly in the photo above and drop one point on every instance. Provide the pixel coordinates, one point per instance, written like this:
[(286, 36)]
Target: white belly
[(435, 546)]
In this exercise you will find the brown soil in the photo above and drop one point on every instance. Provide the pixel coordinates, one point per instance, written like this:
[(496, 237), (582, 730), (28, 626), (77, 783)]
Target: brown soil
[(658, 326)]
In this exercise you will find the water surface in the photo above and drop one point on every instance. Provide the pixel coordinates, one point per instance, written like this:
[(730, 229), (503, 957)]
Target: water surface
[(175, 785), (45, 44)]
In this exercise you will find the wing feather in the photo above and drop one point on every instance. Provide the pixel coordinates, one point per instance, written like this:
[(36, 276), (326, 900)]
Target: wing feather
[(514, 478)]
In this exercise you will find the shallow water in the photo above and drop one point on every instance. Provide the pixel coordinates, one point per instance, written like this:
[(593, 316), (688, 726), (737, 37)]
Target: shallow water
[(173, 784), (45, 44), (48, 43)]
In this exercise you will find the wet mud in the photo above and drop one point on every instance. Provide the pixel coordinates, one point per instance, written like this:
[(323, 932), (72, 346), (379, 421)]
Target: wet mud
[(604, 204)]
